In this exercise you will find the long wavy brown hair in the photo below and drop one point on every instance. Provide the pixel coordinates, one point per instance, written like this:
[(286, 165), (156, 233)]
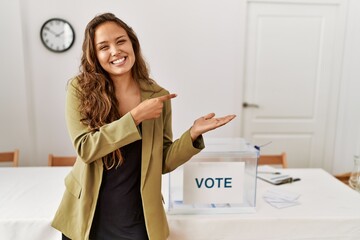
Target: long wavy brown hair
[(98, 104)]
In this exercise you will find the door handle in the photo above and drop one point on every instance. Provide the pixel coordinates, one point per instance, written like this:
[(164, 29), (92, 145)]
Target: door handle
[(253, 105)]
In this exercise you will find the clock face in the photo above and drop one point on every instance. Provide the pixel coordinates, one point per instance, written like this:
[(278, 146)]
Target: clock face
[(57, 35)]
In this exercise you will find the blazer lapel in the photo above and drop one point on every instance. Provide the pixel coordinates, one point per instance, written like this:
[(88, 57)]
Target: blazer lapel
[(147, 140), (147, 145)]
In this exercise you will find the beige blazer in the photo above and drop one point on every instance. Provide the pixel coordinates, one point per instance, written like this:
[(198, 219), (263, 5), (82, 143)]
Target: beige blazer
[(159, 155)]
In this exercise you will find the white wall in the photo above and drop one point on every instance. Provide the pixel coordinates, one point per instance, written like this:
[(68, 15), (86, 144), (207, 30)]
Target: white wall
[(15, 124), (194, 49), (348, 130)]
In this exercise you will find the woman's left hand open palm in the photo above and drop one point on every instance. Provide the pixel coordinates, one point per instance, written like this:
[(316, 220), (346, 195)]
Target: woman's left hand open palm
[(208, 123)]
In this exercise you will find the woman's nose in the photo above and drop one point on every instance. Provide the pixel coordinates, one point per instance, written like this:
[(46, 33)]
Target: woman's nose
[(114, 50)]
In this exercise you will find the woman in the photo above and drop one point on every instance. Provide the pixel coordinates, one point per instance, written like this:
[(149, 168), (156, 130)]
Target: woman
[(119, 121)]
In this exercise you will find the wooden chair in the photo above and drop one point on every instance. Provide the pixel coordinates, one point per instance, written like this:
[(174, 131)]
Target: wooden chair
[(273, 160), (61, 161), (343, 177), (10, 157)]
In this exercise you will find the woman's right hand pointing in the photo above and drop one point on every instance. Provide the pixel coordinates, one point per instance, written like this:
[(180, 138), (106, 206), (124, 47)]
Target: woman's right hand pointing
[(150, 108)]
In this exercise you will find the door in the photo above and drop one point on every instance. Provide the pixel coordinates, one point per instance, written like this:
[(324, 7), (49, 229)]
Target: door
[(292, 70)]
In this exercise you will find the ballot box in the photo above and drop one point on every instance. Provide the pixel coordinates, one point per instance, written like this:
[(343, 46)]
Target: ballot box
[(220, 179)]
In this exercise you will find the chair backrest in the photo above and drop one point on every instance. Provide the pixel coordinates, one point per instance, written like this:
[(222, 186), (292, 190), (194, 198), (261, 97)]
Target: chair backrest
[(10, 157), (273, 160), (61, 161), (343, 177)]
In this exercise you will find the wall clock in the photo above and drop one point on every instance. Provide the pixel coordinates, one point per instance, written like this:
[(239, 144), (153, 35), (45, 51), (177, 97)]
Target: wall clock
[(57, 35)]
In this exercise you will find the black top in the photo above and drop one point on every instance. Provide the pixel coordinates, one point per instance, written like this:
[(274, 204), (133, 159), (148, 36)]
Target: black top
[(119, 213)]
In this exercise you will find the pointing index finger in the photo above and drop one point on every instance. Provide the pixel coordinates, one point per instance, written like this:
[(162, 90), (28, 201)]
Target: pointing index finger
[(167, 97)]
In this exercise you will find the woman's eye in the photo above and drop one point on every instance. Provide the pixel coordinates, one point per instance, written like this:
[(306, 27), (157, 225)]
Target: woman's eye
[(103, 48), (120, 41)]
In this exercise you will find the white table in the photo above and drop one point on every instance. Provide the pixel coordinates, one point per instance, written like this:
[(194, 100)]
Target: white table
[(328, 210), (29, 197)]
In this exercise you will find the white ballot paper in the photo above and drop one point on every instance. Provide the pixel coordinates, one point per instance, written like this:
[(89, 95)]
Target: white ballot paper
[(280, 198)]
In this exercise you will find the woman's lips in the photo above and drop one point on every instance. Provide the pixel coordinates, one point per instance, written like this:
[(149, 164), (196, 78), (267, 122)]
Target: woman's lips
[(119, 61)]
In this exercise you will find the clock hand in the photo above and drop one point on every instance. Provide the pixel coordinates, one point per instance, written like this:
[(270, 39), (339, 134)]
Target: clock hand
[(58, 35), (48, 29)]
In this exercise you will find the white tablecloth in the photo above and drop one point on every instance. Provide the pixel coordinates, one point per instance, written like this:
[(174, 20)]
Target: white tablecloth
[(29, 197), (328, 209)]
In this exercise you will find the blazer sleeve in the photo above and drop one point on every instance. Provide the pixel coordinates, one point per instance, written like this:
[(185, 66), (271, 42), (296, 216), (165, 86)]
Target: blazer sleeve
[(181, 150), (91, 146)]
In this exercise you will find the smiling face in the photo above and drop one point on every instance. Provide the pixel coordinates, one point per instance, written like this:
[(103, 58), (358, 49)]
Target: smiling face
[(114, 50)]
